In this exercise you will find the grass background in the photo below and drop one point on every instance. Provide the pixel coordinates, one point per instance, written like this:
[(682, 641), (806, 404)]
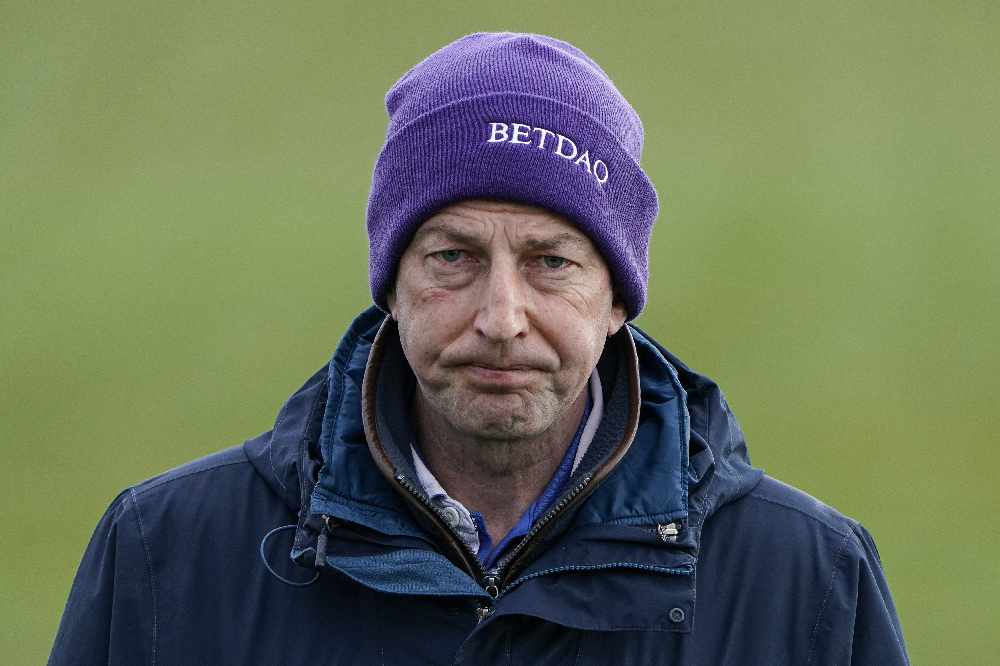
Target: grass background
[(182, 198)]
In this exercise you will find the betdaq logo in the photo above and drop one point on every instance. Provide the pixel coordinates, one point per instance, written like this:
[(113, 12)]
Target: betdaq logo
[(561, 145)]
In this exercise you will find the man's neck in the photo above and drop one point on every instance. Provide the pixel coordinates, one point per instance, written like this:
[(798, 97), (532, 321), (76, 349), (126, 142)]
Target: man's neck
[(498, 478)]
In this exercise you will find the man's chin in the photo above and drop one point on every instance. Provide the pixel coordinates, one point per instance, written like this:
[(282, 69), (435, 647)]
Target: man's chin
[(495, 421)]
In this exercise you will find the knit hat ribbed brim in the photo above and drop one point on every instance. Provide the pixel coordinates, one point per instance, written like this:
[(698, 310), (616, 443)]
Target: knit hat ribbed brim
[(518, 117)]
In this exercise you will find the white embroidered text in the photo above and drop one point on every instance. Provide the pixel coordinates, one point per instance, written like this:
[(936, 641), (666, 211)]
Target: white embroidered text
[(545, 139)]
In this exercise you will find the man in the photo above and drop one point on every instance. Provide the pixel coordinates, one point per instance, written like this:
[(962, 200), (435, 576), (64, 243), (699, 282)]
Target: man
[(494, 467)]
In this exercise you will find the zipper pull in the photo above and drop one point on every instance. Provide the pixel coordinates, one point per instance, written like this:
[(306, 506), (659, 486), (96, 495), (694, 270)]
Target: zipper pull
[(482, 612), (324, 534), (492, 583)]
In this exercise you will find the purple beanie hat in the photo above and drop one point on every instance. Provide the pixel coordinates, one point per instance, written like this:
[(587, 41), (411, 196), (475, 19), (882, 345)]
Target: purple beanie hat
[(517, 117)]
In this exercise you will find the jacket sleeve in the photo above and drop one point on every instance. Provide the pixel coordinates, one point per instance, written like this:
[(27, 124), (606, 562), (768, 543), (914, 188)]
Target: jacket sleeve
[(859, 624), (110, 614)]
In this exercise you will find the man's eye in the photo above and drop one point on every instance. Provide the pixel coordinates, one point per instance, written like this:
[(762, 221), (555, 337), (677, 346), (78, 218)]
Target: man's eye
[(450, 256), (551, 261)]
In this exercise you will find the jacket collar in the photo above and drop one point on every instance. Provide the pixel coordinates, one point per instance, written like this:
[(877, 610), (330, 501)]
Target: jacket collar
[(332, 453)]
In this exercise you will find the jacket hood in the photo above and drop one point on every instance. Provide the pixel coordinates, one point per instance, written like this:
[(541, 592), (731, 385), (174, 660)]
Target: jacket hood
[(688, 458), (720, 471)]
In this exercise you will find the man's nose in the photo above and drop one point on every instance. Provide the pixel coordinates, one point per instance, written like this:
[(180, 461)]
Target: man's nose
[(502, 312)]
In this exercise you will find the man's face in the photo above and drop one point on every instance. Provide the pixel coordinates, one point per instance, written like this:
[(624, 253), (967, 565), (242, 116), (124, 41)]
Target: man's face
[(503, 311)]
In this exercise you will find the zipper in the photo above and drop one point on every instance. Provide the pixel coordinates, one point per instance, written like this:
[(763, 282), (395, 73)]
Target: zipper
[(472, 564), (321, 541), (493, 581), (530, 539)]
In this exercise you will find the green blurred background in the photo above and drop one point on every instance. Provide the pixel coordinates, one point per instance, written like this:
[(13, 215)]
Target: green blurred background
[(182, 198)]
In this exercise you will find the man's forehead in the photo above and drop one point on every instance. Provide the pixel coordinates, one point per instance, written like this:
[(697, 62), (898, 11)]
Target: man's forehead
[(478, 219)]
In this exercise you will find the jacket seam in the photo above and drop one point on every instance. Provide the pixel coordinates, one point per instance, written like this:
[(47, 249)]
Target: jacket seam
[(826, 598), (143, 489), (638, 519), (802, 512), (149, 570), (270, 448)]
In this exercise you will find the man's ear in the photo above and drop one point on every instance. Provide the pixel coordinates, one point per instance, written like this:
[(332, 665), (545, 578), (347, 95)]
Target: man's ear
[(618, 315)]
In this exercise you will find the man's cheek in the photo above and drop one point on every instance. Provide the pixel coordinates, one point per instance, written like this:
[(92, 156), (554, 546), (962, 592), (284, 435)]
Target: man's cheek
[(436, 296)]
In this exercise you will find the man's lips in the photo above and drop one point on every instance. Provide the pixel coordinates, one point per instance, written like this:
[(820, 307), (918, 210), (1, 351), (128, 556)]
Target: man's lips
[(500, 368), (503, 377)]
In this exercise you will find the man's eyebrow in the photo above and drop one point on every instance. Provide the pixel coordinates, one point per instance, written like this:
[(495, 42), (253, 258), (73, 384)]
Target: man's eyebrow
[(531, 244), (555, 242), (448, 232)]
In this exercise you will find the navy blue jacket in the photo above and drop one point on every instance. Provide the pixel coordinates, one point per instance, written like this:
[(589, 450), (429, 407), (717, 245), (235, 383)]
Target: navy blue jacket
[(314, 544)]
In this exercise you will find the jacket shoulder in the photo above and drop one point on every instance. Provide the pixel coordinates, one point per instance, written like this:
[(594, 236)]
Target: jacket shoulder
[(783, 514), (790, 503), (216, 496), (787, 527), (187, 473)]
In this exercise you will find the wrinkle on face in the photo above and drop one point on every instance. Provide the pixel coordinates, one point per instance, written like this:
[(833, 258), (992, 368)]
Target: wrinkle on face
[(502, 305)]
